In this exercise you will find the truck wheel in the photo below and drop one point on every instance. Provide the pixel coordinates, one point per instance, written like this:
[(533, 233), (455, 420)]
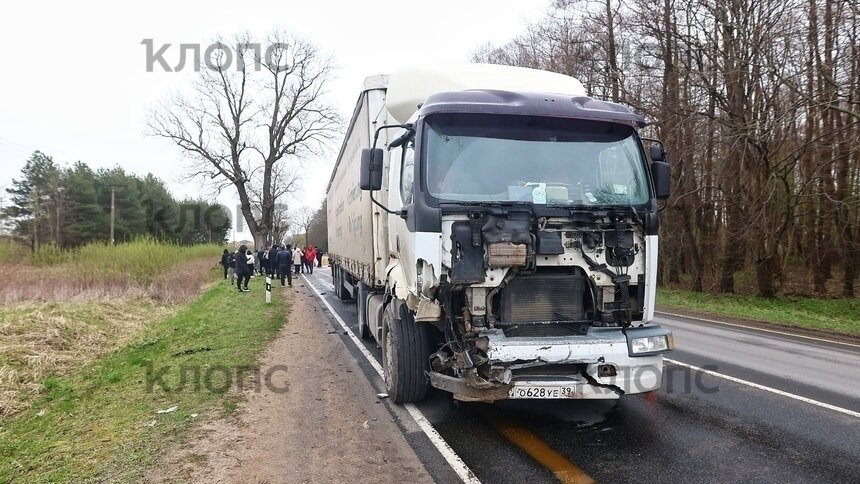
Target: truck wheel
[(405, 356)]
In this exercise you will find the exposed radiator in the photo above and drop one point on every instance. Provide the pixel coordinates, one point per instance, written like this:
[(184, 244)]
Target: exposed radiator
[(543, 298)]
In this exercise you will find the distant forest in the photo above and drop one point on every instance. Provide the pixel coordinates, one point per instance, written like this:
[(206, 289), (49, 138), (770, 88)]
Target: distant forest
[(758, 103), (70, 206)]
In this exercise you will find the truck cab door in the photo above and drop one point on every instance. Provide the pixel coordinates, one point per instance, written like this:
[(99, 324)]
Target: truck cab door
[(401, 241)]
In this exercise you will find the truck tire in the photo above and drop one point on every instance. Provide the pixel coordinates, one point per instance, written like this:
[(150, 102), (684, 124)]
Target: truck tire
[(405, 355)]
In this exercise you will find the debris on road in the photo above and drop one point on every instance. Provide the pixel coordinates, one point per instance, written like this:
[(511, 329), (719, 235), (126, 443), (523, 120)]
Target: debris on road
[(381, 395), (169, 410), (191, 351)]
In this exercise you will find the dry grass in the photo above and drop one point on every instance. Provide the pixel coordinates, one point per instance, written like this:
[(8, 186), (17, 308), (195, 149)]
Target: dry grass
[(67, 283), (41, 341), (57, 318)]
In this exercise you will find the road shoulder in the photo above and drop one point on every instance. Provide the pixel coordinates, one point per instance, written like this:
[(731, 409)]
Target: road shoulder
[(756, 324), (328, 426)]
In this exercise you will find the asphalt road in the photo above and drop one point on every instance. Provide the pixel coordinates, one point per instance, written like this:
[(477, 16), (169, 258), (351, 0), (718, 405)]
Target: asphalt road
[(767, 407)]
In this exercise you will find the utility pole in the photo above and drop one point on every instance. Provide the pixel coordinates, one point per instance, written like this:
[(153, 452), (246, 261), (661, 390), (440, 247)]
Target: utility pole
[(36, 198), (112, 213), (59, 193)]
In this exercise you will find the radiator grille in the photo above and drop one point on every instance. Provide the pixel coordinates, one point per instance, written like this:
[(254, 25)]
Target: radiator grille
[(525, 330), (543, 298)]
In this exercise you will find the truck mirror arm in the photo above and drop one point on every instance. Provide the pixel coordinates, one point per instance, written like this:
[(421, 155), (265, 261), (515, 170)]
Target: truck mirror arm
[(400, 213), (410, 131)]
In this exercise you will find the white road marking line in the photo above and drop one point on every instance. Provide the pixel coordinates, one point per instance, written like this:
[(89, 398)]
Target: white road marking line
[(754, 328), (456, 463), (330, 286), (766, 388)]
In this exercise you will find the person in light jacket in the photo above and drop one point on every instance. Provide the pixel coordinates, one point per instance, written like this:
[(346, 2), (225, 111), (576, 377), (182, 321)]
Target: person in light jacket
[(297, 259), (252, 263)]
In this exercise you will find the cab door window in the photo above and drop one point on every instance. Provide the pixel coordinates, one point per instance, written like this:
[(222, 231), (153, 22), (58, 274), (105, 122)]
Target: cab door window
[(407, 173)]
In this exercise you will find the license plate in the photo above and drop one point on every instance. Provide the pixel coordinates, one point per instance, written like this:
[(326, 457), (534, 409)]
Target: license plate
[(525, 391)]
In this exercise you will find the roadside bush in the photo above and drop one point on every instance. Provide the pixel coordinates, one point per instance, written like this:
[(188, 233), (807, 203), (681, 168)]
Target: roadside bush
[(47, 255)]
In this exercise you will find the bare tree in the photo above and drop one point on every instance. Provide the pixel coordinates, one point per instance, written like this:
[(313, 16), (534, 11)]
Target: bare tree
[(247, 122), (302, 218), (318, 228), (284, 187), (281, 223), (757, 102)]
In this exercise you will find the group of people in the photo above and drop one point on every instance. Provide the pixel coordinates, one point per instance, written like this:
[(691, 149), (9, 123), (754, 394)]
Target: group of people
[(276, 261)]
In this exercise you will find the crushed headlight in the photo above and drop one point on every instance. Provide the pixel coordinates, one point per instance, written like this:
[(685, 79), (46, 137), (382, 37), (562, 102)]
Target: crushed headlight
[(650, 344)]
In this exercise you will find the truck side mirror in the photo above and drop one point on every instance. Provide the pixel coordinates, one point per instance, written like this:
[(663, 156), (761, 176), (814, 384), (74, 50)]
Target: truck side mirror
[(655, 151), (371, 169), (661, 173)]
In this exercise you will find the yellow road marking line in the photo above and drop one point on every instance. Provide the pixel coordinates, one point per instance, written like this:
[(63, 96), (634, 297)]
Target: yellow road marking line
[(565, 470)]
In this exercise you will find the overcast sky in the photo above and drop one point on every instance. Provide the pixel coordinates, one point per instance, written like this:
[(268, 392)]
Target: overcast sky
[(74, 83)]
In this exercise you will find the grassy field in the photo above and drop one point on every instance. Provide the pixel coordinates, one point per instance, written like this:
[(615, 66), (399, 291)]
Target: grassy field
[(102, 422), (835, 315), (60, 309), (40, 340), (143, 268)]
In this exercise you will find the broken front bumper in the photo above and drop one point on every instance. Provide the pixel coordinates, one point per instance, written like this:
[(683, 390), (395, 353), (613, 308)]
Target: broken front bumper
[(598, 365)]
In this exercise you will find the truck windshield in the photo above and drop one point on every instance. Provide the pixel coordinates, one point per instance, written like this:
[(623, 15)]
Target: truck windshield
[(503, 158)]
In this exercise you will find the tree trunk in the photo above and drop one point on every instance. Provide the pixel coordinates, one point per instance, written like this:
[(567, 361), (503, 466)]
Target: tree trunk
[(764, 271)]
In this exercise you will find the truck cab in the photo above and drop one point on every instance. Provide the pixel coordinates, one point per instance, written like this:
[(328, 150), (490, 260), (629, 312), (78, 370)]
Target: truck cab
[(521, 229)]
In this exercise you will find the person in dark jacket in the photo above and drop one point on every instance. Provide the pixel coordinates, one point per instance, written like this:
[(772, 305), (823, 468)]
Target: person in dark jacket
[(319, 256), (285, 260), (273, 260), (225, 262), (261, 261), (243, 272), (231, 261)]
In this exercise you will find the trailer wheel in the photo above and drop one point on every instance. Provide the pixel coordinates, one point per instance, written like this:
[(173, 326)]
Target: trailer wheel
[(339, 289), (335, 274), (361, 308), (405, 355), (364, 331)]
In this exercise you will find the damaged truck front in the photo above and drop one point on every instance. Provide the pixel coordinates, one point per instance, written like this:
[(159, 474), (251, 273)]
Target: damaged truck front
[(512, 224)]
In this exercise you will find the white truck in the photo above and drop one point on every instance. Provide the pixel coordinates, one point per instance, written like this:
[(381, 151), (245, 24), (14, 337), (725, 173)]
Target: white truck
[(497, 229)]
